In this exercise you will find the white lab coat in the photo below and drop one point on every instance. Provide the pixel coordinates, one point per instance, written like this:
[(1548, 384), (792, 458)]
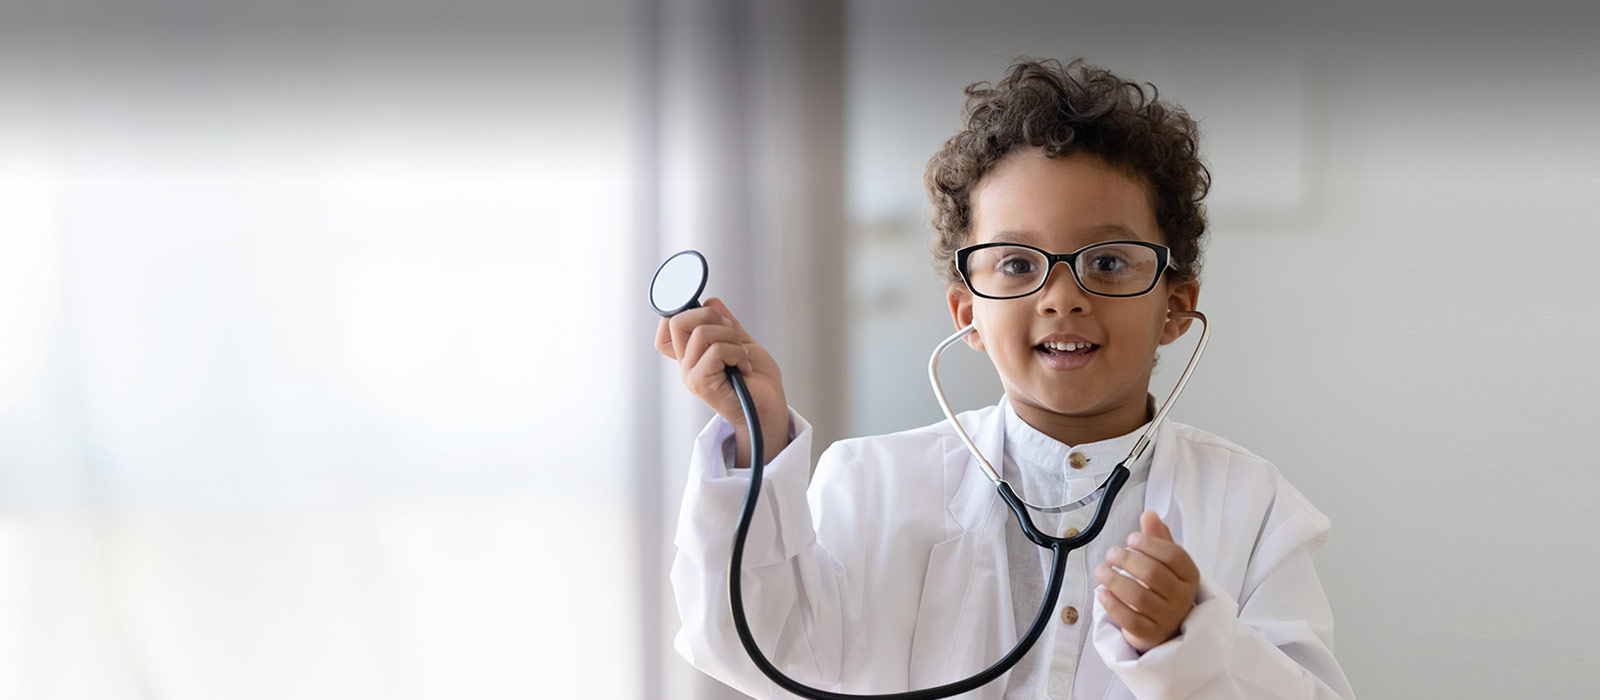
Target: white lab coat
[(890, 573)]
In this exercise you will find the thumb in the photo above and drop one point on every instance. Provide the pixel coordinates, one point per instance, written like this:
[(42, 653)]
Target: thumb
[(1150, 524)]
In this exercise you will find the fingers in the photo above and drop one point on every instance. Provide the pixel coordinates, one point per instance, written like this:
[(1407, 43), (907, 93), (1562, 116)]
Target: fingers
[(1131, 592), (707, 376), (720, 342), (673, 332), (1168, 553), (679, 327), (664, 339), (1131, 621), (1148, 587), (683, 325), (1150, 524), (1153, 574), (722, 309)]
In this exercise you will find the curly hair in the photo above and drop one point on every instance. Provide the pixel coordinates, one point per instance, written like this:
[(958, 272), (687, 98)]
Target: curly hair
[(1064, 110)]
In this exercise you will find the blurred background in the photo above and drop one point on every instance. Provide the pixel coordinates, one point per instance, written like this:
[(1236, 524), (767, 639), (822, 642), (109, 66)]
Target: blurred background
[(326, 372)]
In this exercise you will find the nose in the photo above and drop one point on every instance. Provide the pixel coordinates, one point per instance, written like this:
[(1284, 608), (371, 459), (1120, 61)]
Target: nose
[(1061, 293)]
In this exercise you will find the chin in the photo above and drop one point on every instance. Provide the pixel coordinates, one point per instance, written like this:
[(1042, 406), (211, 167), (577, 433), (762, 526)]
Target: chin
[(1070, 405)]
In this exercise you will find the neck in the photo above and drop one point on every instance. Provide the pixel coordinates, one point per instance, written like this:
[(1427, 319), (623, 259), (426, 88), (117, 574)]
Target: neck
[(1117, 421)]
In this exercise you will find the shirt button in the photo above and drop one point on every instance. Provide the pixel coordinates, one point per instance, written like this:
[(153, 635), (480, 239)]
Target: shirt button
[(1070, 532), (1069, 615), (1077, 460)]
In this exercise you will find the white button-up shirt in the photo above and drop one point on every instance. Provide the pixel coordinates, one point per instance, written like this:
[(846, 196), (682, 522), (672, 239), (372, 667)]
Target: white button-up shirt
[(1041, 469)]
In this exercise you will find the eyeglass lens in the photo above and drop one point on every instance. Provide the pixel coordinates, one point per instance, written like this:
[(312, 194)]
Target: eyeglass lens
[(1111, 269)]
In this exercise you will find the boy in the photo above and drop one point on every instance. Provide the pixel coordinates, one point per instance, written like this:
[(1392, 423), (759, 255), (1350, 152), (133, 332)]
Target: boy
[(900, 569)]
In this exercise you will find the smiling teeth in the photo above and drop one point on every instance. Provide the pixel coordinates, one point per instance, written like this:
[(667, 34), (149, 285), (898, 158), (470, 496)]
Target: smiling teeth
[(1068, 347)]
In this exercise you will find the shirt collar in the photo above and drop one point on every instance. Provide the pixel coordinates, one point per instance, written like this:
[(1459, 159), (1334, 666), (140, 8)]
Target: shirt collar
[(1034, 450)]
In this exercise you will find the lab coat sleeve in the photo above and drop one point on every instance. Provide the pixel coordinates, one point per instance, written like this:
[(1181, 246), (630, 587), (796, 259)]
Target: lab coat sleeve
[(1277, 643), (791, 585)]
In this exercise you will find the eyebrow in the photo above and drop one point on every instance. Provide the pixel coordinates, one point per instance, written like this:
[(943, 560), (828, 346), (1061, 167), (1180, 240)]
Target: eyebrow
[(1095, 234)]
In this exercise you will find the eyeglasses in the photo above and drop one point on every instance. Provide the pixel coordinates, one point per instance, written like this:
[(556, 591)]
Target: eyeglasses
[(1111, 269)]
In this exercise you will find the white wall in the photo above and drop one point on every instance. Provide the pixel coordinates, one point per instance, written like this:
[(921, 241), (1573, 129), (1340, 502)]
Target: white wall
[(297, 310), (1403, 229)]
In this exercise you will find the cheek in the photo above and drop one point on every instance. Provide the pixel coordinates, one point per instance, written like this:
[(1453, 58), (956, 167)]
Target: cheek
[(1140, 331), (1004, 329)]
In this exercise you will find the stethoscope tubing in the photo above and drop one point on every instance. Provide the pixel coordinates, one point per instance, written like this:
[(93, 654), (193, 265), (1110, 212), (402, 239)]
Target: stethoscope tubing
[(1059, 548)]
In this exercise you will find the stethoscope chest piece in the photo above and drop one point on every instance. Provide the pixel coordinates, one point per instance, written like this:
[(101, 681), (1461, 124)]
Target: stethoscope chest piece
[(678, 283)]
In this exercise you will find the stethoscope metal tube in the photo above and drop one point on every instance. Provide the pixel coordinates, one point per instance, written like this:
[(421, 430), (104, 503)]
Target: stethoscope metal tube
[(1138, 447)]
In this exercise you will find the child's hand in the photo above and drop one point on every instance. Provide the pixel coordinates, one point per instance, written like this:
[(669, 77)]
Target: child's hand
[(708, 339), (1149, 614)]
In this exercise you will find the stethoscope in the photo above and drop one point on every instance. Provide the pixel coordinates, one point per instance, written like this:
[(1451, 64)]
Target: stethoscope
[(676, 288)]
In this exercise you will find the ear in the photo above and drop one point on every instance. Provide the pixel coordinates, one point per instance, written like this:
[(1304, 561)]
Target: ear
[(961, 312), (1183, 296)]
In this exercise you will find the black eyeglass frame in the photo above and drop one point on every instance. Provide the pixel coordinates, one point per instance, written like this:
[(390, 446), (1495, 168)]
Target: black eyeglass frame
[(1163, 260)]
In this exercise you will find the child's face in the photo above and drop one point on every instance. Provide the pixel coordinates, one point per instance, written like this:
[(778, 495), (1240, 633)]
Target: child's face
[(1061, 205)]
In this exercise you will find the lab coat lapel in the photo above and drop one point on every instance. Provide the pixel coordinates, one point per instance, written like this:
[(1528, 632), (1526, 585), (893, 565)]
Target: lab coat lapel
[(1165, 485), (1172, 486), (1158, 487), (955, 635)]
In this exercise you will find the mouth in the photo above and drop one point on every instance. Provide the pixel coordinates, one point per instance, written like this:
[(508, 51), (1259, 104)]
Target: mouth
[(1066, 356)]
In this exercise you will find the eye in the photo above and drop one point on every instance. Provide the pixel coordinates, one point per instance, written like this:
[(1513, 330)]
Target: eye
[(1016, 265), (1108, 262)]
